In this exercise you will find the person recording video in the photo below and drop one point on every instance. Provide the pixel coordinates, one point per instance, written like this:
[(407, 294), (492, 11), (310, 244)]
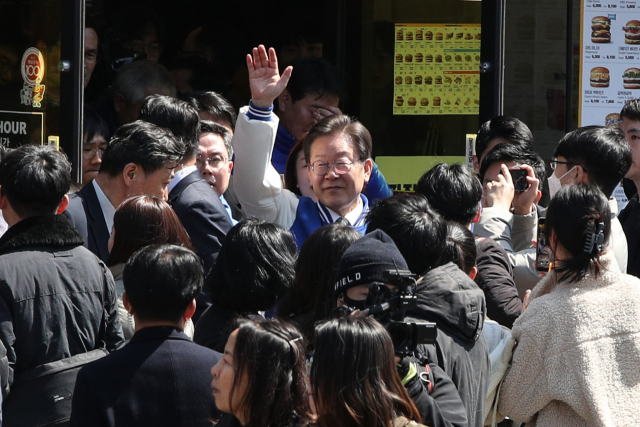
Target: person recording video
[(373, 275)]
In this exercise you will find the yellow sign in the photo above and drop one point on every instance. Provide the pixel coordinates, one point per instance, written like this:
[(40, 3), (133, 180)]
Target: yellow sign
[(437, 69), (403, 172)]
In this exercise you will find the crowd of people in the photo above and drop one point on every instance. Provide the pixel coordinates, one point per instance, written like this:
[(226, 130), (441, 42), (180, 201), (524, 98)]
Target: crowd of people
[(253, 268)]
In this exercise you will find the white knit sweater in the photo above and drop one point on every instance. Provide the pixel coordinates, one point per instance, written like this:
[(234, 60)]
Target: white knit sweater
[(577, 360)]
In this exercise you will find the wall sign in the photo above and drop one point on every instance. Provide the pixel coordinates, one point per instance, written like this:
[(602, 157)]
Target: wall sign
[(19, 128), (437, 69)]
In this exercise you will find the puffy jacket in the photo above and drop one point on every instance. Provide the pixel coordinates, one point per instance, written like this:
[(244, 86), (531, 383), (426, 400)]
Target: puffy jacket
[(57, 299), (448, 297)]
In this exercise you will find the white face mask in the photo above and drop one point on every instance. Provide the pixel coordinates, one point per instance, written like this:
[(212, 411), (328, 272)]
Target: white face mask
[(554, 182)]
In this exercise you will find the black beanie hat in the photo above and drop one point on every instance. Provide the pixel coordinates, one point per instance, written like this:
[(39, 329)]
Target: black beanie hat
[(366, 260)]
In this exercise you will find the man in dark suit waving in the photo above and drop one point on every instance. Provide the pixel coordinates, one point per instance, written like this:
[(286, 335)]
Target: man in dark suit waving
[(161, 377), (192, 198), (140, 159)]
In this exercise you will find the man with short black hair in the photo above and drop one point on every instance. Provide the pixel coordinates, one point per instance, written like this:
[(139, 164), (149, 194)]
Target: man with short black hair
[(160, 377), (455, 192), (630, 215), (445, 296), (214, 107), (139, 159), (56, 298), (511, 218), (197, 205), (600, 156), (498, 130), (215, 160)]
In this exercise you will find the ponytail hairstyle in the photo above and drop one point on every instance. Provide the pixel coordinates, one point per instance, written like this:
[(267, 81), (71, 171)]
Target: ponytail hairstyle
[(580, 219), (270, 355), (354, 378)]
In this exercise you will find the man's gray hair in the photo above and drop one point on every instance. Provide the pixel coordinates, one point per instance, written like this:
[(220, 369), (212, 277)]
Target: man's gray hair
[(207, 126), (137, 76)]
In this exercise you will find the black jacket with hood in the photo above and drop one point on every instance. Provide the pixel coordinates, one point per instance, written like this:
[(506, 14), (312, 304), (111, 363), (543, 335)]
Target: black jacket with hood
[(56, 297), (448, 297)]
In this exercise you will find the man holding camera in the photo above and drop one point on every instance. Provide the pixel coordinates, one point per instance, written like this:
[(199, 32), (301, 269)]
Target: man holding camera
[(373, 262)]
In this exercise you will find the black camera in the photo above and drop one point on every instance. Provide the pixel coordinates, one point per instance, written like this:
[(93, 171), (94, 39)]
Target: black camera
[(389, 306)]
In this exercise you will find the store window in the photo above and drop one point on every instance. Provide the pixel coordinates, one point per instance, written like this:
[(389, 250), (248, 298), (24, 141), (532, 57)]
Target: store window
[(30, 42)]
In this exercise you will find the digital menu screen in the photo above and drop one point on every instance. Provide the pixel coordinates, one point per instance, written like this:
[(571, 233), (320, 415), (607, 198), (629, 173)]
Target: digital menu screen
[(436, 69), (610, 59)]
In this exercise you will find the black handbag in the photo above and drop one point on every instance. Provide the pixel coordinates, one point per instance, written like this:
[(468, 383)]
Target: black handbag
[(42, 396)]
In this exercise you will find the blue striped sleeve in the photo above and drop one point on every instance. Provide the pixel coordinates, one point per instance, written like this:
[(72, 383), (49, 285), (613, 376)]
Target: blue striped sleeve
[(257, 113)]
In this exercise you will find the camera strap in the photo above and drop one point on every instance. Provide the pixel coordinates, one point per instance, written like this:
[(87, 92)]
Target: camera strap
[(426, 378)]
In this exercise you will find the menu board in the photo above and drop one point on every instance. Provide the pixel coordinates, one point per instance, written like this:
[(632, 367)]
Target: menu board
[(610, 60), (437, 69)]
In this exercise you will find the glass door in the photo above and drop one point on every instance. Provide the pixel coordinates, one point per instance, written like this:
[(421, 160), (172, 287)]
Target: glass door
[(41, 73)]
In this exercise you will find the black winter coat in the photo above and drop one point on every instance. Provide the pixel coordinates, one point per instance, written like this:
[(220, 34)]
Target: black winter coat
[(448, 297), (55, 295), (495, 278)]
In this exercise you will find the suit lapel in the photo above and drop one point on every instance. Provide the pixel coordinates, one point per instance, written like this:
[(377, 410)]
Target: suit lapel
[(98, 231), (183, 184)]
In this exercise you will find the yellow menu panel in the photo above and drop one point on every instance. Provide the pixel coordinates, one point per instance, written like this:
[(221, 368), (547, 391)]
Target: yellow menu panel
[(436, 69)]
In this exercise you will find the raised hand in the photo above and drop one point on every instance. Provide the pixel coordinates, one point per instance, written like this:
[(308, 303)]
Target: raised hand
[(264, 78)]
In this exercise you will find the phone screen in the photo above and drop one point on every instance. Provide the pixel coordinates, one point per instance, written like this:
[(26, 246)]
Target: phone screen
[(519, 178), (543, 252)]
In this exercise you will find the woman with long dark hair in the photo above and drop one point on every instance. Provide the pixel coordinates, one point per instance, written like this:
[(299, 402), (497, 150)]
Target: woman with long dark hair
[(578, 342), (255, 267), (261, 379), (138, 222), (354, 379), (311, 298)]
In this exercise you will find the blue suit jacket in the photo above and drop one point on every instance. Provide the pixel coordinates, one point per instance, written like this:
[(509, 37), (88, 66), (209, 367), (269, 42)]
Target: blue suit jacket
[(86, 216), (160, 378)]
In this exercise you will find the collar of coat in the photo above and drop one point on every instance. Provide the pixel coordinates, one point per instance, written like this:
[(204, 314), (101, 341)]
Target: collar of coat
[(44, 230)]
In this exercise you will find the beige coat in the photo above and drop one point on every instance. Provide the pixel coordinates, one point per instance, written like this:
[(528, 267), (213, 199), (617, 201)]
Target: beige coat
[(577, 360)]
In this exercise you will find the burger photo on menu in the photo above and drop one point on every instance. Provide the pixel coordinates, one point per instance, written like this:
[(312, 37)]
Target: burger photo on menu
[(600, 29), (612, 120), (632, 32), (631, 78), (599, 77), (436, 101)]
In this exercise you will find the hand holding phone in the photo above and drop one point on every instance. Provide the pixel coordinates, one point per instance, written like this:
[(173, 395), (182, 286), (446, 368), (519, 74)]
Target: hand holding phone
[(519, 178)]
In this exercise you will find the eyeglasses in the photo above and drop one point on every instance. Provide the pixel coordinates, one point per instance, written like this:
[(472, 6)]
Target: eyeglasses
[(215, 162), (88, 153), (321, 168), (555, 162)]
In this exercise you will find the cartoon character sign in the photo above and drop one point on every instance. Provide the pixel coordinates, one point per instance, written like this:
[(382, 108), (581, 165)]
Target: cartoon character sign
[(32, 68)]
